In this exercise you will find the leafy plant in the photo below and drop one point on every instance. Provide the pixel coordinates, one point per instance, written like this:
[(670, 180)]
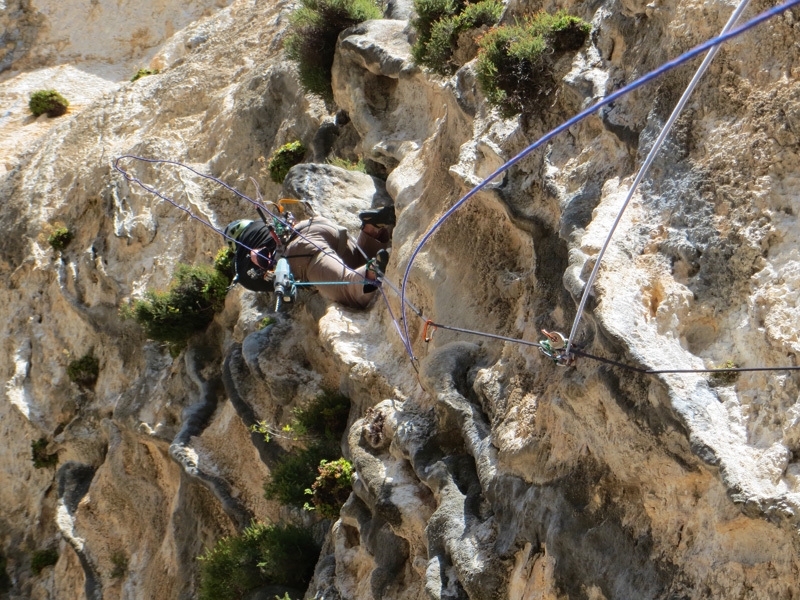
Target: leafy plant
[(41, 459), (331, 488), (284, 158), (144, 73), (296, 472), (224, 262), (515, 62), (261, 555), (60, 238), (436, 47), (266, 322), (43, 558), (48, 102), (315, 29), (325, 417), (195, 294), (84, 371), (120, 562), (725, 377)]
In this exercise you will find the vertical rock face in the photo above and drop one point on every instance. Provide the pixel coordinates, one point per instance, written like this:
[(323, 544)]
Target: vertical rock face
[(483, 469)]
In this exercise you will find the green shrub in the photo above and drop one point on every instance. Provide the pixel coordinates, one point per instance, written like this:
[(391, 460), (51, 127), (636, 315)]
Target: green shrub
[(515, 62), (84, 371), (43, 558), (315, 29), (331, 488), (144, 73), (48, 101), (284, 158), (41, 459), (437, 47), (224, 262), (60, 238), (324, 418), (296, 472), (262, 555), (5, 580), (188, 307)]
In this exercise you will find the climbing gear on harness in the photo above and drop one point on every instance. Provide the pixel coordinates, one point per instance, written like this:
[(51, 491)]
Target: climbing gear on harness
[(234, 230), (379, 217), (378, 266), (554, 347)]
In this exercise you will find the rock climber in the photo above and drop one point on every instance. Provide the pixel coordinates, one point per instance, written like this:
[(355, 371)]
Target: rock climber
[(317, 250)]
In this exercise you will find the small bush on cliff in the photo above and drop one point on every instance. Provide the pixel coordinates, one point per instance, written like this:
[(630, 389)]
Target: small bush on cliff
[(440, 26), (43, 558), (315, 28), (60, 238), (195, 294), (296, 472), (331, 488), (284, 158), (262, 555), (515, 62), (324, 418), (48, 102), (41, 459), (224, 262), (143, 73), (84, 371)]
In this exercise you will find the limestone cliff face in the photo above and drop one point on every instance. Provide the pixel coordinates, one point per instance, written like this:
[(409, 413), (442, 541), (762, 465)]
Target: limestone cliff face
[(491, 472)]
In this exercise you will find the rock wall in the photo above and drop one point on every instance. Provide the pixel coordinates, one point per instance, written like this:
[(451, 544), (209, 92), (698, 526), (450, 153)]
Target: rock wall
[(484, 470)]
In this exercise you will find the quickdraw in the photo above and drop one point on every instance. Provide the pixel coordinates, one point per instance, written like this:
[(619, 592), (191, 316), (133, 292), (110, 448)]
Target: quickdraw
[(428, 337), (554, 347)]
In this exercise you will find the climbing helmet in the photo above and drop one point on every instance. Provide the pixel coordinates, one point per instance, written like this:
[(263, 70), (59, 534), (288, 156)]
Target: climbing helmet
[(234, 230)]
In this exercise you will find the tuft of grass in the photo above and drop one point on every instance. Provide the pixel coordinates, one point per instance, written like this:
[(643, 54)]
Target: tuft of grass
[(342, 163), (144, 73), (515, 62), (262, 555), (41, 459), (315, 29), (438, 37), (195, 295), (60, 238), (48, 102), (84, 371), (284, 158), (43, 558), (331, 488)]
